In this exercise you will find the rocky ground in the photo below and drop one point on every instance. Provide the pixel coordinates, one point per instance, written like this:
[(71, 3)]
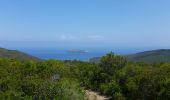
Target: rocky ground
[(91, 95)]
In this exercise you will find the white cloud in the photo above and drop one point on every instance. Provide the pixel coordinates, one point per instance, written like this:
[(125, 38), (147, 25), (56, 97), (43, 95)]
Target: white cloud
[(81, 38), (62, 37), (95, 37), (67, 37)]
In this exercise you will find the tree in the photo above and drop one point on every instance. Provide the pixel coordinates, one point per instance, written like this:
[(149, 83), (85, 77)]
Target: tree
[(111, 63)]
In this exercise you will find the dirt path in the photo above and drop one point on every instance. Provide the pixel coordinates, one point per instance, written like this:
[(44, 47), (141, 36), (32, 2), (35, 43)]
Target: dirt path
[(91, 95)]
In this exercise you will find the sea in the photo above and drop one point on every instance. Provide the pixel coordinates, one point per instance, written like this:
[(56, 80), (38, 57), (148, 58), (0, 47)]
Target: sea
[(63, 54)]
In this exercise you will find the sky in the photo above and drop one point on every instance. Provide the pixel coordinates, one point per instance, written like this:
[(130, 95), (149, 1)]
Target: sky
[(85, 23)]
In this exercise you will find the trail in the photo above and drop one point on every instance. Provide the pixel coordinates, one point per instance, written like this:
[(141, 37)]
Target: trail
[(91, 95)]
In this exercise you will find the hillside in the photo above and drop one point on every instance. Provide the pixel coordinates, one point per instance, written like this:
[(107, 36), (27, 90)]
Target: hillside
[(95, 60), (5, 53), (161, 55)]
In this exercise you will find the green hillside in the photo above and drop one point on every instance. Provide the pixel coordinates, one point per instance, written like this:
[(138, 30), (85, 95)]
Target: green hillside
[(161, 55), (5, 53)]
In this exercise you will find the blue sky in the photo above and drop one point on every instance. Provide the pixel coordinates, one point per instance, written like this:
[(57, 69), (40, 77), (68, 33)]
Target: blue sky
[(85, 23)]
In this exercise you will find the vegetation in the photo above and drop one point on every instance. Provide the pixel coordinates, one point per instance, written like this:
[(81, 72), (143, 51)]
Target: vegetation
[(123, 80), (114, 76), (34, 80)]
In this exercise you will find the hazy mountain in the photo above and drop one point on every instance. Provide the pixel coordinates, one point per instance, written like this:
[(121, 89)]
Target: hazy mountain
[(5, 53)]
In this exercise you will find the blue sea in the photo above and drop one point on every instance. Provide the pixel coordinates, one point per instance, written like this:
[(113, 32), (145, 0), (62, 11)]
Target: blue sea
[(63, 54)]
